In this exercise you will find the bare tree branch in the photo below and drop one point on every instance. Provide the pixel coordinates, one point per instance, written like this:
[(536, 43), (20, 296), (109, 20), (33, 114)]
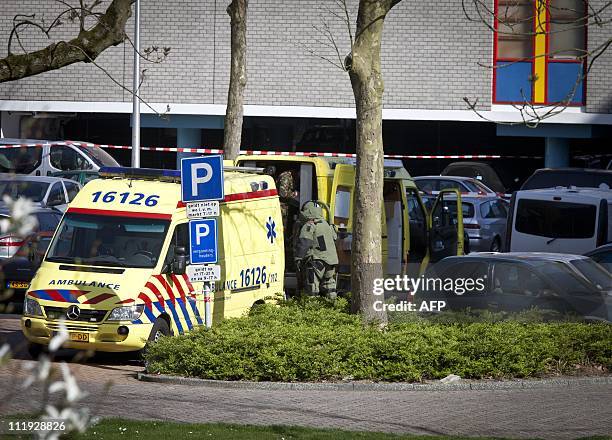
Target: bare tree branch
[(109, 31)]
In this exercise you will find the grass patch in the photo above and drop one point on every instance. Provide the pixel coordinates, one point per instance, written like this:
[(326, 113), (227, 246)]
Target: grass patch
[(117, 428), (314, 341), (109, 429)]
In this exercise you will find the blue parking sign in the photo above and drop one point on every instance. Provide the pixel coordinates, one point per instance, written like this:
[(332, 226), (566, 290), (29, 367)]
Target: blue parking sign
[(202, 178), (203, 241)]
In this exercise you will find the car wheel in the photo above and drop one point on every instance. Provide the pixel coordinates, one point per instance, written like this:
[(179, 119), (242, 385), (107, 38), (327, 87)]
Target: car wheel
[(35, 350), (496, 245), (160, 328)]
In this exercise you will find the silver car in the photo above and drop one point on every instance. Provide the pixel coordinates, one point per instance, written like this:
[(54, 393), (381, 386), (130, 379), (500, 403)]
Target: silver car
[(42, 190), (484, 221), (465, 185)]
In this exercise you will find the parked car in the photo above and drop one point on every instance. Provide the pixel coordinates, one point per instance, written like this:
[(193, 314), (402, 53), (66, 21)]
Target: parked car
[(484, 221), (17, 272), (513, 282), (51, 156), (433, 184), (47, 220), (603, 256), (498, 178), (46, 191), (566, 177), (564, 220), (80, 176)]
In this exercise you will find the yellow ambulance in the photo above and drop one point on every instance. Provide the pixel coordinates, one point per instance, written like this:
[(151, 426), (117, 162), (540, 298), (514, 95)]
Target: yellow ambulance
[(116, 269), (413, 237)]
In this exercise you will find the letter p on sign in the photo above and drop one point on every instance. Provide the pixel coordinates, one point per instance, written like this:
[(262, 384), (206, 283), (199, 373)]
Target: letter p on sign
[(202, 231), (202, 178)]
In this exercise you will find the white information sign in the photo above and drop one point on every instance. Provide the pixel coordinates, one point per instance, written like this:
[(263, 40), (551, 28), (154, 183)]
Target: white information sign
[(203, 209), (200, 273)]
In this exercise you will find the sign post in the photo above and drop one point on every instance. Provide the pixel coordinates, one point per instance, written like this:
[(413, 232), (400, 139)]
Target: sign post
[(201, 190)]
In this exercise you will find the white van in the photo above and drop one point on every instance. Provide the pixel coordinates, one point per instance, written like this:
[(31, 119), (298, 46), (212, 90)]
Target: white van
[(43, 158), (562, 220)]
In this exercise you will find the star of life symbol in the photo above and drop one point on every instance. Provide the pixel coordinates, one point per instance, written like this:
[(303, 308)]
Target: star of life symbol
[(271, 226)]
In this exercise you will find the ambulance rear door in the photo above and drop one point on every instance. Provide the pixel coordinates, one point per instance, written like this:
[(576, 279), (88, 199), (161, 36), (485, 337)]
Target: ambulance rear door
[(341, 212)]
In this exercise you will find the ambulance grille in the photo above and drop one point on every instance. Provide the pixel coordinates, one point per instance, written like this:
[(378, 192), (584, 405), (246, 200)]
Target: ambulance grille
[(73, 328), (84, 315)]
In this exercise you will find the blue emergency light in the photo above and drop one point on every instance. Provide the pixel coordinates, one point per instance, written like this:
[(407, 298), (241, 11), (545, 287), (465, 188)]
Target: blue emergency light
[(141, 173)]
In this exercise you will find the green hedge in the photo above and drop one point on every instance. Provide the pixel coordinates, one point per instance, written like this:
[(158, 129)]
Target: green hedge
[(313, 342)]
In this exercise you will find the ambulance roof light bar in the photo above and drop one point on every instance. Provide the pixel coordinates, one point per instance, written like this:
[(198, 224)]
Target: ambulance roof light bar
[(141, 173), (250, 170), (161, 175)]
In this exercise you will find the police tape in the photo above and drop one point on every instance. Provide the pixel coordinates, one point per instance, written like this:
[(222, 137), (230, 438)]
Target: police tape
[(202, 150)]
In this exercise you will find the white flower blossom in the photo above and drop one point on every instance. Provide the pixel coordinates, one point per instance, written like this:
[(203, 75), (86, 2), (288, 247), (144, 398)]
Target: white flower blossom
[(69, 385), (40, 373), (60, 337), (5, 353), (20, 221)]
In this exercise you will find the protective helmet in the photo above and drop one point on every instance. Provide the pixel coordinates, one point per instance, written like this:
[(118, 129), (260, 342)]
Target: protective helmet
[(312, 210)]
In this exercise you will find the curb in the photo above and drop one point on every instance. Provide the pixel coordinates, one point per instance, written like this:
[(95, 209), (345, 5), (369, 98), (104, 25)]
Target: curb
[(359, 386)]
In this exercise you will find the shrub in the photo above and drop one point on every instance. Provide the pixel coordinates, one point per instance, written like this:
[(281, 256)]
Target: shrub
[(315, 341)]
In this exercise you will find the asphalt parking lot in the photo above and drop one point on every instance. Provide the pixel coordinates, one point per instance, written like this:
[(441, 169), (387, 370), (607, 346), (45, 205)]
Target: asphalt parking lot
[(564, 412)]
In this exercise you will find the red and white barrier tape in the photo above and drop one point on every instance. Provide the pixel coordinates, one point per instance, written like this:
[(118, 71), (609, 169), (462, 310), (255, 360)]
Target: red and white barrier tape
[(277, 153)]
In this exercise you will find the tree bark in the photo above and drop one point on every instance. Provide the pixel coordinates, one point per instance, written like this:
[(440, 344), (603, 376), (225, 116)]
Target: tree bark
[(364, 68), (234, 113), (109, 31)]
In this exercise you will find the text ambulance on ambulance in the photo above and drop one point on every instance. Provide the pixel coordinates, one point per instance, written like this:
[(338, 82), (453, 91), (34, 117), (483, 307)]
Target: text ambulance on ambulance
[(116, 268)]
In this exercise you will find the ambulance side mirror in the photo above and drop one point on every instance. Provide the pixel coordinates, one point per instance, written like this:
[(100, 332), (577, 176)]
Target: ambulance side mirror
[(179, 264)]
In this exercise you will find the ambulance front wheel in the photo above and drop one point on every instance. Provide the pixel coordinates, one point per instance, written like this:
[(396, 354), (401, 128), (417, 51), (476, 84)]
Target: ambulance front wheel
[(160, 328), (35, 350)]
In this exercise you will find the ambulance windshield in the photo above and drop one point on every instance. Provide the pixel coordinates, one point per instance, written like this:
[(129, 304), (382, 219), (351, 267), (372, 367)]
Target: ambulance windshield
[(97, 240)]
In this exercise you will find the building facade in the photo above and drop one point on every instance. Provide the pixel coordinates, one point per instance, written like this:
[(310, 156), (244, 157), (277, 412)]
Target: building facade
[(434, 57)]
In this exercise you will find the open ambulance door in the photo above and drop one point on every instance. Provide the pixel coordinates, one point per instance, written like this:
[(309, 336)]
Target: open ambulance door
[(395, 233), (446, 226), (341, 213)]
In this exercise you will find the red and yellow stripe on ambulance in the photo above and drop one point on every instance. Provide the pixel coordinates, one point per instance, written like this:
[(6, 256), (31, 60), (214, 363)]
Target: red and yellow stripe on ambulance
[(111, 273)]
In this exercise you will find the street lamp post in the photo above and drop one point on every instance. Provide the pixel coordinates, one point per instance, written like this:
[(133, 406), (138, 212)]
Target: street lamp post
[(136, 90)]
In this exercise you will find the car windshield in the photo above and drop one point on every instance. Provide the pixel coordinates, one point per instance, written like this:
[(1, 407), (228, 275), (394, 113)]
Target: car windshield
[(108, 241), (564, 277), (482, 187), (594, 273), (30, 189), (98, 155)]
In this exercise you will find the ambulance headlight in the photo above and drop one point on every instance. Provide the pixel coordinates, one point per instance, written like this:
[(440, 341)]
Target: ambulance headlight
[(129, 313), (31, 307)]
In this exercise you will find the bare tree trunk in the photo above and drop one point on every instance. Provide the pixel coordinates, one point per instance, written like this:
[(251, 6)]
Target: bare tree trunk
[(232, 135), (364, 68)]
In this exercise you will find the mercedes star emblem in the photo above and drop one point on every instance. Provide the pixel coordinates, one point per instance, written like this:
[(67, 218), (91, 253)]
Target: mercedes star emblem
[(73, 313)]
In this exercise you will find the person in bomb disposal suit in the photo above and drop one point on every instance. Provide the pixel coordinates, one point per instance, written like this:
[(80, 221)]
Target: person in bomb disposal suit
[(315, 253)]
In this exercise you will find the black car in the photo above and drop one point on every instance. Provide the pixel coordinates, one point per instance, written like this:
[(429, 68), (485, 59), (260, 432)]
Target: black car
[(566, 177), (501, 178), (602, 255), (17, 272), (512, 282)]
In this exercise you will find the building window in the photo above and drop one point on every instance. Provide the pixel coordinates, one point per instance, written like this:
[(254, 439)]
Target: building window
[(567, 24), (515, 29), (539, 53)]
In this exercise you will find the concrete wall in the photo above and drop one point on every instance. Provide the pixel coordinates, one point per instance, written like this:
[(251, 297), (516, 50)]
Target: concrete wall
[(430, 56), (599, 81)]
